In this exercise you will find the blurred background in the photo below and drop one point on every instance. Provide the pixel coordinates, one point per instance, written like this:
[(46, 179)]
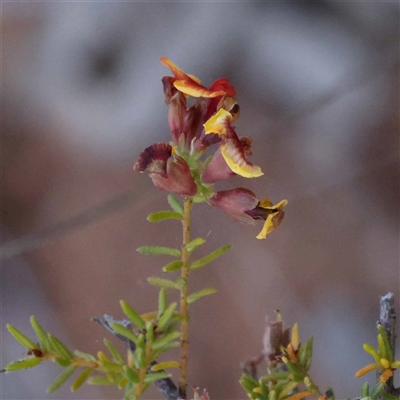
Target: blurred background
[(318, 86)]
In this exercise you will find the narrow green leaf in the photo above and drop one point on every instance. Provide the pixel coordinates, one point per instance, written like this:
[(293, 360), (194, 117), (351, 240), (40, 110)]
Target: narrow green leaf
[(381, 347), (23, 364), (194, 244), (113, 350), (162, 301), (163, 349), (165, 318), (365, 390), (156, 376), (277, 376), (163, 215), (162, 341), (287, 388), (141, 355), (122, 330), (131, 375), (129, 391), (40, 333), (60, 347), (21, 338), (159, 250), (376, 391), (81, 379), (164, 365), (293, 368), (201, 293), (165, 283), (264, 388), (175, 204), (202, 262), (99, 380), (132, 314), (61, 379), (84, 356), (173, 266), (371, 351), (305, 354), (385, 339), (248, 384), (110, 366)]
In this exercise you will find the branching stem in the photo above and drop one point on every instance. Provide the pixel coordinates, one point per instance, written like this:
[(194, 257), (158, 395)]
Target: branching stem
[(183, 299)]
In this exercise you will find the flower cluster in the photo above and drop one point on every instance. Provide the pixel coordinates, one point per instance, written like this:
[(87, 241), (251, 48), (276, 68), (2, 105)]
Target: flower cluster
[(199, 118)]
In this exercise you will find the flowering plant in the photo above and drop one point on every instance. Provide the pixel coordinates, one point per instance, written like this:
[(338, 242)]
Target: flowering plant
[(201, 120)]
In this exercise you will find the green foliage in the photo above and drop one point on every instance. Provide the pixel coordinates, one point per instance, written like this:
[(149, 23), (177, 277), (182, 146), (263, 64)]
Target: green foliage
[(201, 293), (40, 333), (194, 244), (23, 363), (202, 262), (166, 317), (164, 215), (158, 251), (172, 266), (162, 301), (61, 379), (21, 338), (164, 283), (81, 379), (132, 314), (175, 204)]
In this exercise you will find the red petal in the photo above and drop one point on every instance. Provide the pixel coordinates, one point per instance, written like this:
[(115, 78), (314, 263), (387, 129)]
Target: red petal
[(223, 84), (177, 114), (236, 202), (154, 158), (217, 169), (177, 179)]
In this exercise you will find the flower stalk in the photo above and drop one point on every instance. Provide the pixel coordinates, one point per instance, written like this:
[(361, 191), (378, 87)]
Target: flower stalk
[(187, 207)]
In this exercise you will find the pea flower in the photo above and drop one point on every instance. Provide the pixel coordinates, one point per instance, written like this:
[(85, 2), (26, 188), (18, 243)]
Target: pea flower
[(199, 117), (242, 205)]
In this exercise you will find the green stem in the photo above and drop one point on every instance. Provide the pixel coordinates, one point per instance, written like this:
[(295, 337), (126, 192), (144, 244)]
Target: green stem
[(184, 307)]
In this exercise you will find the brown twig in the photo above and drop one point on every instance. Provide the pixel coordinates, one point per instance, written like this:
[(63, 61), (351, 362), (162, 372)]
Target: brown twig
[(183, 300), (387, 318)]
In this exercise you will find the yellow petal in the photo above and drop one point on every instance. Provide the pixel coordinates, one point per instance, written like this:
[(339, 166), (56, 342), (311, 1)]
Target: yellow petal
[(265, 203), (178, 73), (195, 78), (239, 165), (216, 124), (366, 369), (267, 228), (192, 88)]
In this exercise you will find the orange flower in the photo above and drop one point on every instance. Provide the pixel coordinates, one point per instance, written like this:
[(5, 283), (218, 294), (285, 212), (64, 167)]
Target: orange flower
[(190, 85)]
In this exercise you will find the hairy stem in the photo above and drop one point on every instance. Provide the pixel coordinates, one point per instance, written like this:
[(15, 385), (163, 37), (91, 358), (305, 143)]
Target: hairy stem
[(183, 300)]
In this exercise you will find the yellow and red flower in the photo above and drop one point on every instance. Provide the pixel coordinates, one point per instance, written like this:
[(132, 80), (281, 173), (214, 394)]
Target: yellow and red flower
[(242, 205), (208, 120)]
